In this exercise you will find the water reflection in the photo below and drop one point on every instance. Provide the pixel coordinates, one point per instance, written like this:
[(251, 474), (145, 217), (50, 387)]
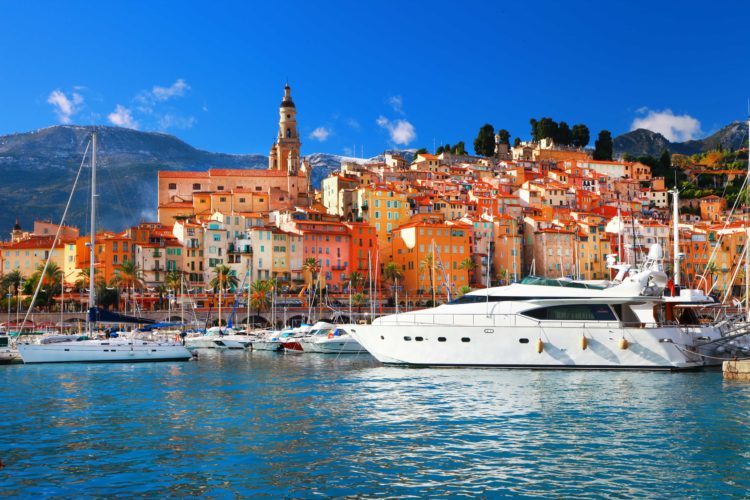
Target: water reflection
[(265, 424)]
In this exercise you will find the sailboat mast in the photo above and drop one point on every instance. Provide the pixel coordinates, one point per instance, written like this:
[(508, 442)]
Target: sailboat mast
[(747, 243), (676, 235), (92, 248)]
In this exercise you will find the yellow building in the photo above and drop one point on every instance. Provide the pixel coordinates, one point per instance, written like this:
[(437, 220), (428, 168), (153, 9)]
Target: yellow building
[(27, 255), (384, 208)]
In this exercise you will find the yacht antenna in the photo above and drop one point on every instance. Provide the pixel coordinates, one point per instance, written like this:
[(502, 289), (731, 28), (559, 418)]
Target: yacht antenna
[(92, 248)]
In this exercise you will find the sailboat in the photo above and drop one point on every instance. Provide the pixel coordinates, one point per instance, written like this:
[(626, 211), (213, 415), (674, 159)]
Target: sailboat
[(84, 349)]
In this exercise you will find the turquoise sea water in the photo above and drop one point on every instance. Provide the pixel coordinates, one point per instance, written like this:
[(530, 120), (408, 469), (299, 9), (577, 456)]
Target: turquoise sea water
[(303, 426)]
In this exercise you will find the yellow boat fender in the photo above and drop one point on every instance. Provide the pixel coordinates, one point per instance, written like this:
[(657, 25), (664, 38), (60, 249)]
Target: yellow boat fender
[(584, 342), (539, 346), (624, 343)]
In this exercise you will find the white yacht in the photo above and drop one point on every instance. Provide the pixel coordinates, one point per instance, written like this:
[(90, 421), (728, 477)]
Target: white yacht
[(327, 338), (269, 340), (550, 324), (75, 349), (218, 338), (7, 354)]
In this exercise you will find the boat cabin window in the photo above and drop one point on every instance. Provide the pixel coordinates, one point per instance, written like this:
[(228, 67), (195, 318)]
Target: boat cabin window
[(3, 341), (573, 312)]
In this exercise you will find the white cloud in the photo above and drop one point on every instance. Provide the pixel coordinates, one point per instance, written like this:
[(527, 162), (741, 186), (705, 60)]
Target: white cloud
[(65, 107), (402, 132), (122, 117), (171, 120), (676, 128), (177, 89), (320, 134), (353, 123), (397, 103)]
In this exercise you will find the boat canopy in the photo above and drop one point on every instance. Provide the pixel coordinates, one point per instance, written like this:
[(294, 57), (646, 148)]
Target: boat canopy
[(99, 315)]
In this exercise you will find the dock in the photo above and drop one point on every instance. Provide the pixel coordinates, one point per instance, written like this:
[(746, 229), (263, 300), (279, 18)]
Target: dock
[(736, 370)]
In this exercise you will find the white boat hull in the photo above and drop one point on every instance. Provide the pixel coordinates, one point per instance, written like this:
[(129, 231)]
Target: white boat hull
[(89, 351), (519, 347), (212, 342), (338, 345), (267, 345)]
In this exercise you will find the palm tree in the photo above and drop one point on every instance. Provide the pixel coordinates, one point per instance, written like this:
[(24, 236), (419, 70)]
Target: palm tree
[(356, 280), (129, 275), (709, 272), (502, 275), (223, 279), (173, 280), (391, 274), (260, 295), (469, 265), (428, 264), (358, 300), (50, 279), (463, 290), (312, 266)]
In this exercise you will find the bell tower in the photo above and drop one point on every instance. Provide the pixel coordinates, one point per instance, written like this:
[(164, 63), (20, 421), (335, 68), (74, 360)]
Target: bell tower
[(287, 140)]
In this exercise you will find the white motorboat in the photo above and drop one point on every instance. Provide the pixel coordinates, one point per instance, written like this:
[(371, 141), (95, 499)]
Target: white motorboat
[(270, 340), (217, 338), (73, 349), (318, 330), (337, 342), (550, 324)]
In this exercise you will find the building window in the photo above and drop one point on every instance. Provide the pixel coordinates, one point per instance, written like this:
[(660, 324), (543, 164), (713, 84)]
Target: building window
[(196, 187), (172, 185)]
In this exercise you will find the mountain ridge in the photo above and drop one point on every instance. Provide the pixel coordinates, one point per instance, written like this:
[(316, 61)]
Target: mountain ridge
[(39, 167)]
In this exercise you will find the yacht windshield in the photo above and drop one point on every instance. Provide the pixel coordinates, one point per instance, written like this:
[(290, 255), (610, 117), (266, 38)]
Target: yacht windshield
[(537, 280)]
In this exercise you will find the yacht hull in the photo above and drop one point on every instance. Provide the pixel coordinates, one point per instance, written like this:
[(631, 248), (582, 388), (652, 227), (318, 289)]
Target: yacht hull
[(213, 342), (267, 345), (111, 352), (530, 347), (338, 345)]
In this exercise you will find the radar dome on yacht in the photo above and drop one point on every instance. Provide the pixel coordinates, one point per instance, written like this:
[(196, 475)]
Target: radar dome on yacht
[(655, 252)]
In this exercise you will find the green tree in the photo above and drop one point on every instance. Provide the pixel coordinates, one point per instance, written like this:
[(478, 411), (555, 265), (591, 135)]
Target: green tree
[(629, 157), (128, 276), (420, 151), (260, 295), (391, 274), (603, 146), (358, 300), (463, 290), (516, 142), (224, 278), (484, 144), (459, 148), (312, 266), (564, 135), (173, 279), (580, 135), (547, 128), (504, 136), (356, 281), (534, 130), (665, 161), (469, 265)]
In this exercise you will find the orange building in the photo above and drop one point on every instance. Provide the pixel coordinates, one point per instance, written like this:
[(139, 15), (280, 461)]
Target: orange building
[(446, 243), (364, 247), (111, 251)]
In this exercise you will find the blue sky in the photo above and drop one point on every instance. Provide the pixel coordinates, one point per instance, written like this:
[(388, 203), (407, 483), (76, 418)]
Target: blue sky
[(374, 75)]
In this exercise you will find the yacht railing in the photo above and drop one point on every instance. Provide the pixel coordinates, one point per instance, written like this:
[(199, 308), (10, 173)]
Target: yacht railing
[(507, 321)]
